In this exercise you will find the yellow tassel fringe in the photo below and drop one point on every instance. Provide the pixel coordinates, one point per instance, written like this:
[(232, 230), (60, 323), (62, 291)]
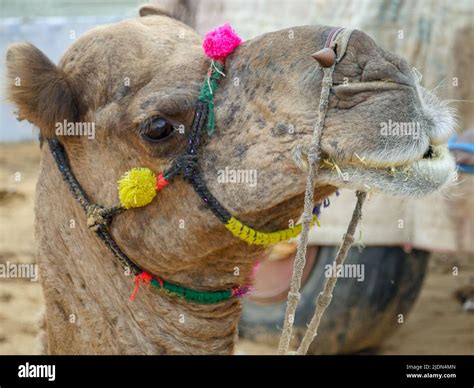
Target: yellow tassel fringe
[(137, 187), (254, 237)]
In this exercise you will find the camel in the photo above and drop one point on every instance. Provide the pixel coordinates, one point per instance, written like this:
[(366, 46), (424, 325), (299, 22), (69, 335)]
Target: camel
[(123, 75)]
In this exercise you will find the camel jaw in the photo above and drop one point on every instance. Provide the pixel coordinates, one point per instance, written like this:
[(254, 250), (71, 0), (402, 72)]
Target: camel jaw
[(428, 174)]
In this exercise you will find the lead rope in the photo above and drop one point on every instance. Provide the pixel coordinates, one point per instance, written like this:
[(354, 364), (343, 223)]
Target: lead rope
[(338, 37), (325, 297), (300, 260)]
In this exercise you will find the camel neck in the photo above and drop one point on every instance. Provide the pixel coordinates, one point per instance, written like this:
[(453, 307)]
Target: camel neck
[(89, 311), (87, 291)]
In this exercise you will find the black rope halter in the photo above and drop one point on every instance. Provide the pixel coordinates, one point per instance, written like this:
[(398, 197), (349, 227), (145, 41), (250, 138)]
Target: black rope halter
[(185, 165)]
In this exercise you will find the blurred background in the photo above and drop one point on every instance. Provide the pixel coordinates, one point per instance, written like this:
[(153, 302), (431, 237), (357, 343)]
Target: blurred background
[(418, 292)]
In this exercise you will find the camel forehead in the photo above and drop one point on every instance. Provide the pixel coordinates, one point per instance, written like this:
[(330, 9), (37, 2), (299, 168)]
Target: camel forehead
[(132, 37), (137, 50)]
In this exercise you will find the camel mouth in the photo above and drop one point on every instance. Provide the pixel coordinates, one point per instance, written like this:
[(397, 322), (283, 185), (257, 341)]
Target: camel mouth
[(431, 172), (415, 164)]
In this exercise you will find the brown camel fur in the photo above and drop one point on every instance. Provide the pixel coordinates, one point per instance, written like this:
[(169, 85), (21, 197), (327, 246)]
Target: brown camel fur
[(122, 74)]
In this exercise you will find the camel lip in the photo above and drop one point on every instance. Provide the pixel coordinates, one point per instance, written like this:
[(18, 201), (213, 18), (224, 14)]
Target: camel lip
[(433, 153), (435, 156), (420, 177), (358, 87)]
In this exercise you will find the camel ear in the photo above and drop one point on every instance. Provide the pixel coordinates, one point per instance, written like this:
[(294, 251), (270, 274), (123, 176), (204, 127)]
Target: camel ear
[(154, 9), (184, 11), (38, 88)]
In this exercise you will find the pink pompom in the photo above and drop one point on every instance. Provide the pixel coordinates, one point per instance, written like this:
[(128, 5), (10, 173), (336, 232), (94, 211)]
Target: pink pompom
[(220, 42)]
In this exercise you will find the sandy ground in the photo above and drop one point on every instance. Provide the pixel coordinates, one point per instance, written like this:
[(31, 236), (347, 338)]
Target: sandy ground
[(438, 323)]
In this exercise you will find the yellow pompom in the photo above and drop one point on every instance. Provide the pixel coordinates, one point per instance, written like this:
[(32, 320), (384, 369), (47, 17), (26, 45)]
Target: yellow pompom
[(137, 187)]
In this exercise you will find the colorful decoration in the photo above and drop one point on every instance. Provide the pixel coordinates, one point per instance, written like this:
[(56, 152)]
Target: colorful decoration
[(220, 42), (202, 297), (255, 237), (144, 277), (206, 94), (217, 45), (138, 187), (161, 182)]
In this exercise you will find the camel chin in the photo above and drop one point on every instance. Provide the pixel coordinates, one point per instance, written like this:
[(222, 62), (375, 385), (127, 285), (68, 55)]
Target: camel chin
[(417, 178)]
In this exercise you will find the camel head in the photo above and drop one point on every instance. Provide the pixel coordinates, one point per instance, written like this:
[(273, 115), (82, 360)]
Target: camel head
[(138, 81)]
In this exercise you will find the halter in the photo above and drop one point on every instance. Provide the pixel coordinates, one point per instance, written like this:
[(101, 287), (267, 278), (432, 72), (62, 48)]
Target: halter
[(139, 186)]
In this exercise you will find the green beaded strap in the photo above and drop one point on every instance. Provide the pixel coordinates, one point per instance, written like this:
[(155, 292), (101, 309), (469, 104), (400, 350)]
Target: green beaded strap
[(203, 297)]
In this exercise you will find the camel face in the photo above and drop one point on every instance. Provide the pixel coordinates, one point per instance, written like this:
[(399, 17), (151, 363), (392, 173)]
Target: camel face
[(138, 81)]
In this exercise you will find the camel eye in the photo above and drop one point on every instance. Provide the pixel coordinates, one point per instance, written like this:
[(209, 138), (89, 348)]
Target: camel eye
[(157, 129)]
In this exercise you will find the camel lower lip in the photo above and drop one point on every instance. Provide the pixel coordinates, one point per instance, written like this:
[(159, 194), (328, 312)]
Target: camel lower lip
[(439, 163), (420, 177)]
